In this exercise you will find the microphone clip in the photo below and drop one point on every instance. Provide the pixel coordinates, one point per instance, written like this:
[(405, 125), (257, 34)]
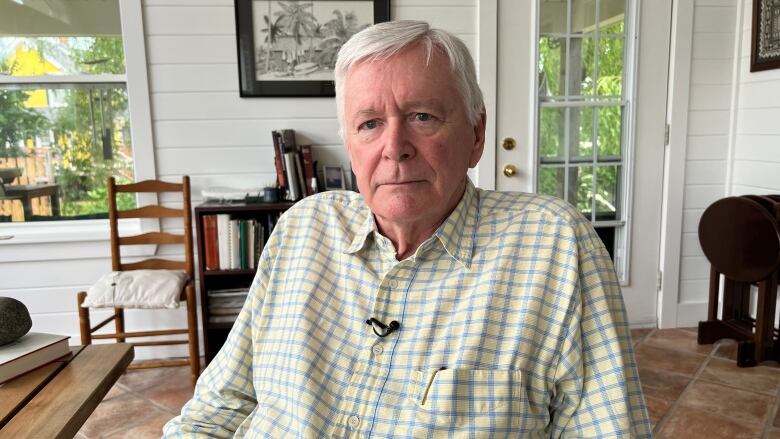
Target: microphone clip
[(382, 330)]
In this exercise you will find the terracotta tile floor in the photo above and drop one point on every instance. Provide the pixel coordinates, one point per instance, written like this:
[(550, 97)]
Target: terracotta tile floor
[(691, 391)]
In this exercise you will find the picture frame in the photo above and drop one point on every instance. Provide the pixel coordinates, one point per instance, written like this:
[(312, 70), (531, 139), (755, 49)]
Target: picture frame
[(334, 177), (288, 48), (765, 36)]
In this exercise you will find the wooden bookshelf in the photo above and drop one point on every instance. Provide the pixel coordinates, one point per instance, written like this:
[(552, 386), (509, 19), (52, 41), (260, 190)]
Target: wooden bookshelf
[(215, 333)]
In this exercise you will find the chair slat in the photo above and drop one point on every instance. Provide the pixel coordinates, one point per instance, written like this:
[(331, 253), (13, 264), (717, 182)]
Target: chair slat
[(152, 238), (153, 211), (155, 264), (141, 333), (150, 186)]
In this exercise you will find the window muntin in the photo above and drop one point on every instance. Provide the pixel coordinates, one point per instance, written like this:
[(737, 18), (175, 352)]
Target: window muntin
[(582, 107)]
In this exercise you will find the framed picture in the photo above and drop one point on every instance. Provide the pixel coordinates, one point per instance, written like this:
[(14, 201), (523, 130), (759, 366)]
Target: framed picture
[(765, 35), (289, 48), (334, 177)]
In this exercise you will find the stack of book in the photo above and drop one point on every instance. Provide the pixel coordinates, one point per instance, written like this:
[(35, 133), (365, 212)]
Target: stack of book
[(225, 304), (295, 167), (232, 243), (29, 352)]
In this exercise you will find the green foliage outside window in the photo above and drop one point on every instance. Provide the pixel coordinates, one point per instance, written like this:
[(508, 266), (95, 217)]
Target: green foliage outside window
[(609, 122), (87, 128)]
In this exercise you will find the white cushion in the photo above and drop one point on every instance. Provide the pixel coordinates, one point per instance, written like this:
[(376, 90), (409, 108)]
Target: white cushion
[(151, 289)]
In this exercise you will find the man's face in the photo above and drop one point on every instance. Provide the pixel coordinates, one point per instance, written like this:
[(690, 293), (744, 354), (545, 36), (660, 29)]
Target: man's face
[(408, 137)]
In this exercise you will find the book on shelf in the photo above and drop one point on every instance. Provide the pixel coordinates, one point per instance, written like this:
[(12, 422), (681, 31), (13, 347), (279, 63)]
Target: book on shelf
[(210, 242), (225, 305), (294, 190), (223, 319), (309, 170), (295, 165), (235, 248), (237, 242), (278, 161), (29, 352), (228, 292), (223, 240)]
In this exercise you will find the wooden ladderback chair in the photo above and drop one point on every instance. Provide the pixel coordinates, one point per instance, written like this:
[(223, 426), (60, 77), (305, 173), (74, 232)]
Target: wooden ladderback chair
[(158, 238)]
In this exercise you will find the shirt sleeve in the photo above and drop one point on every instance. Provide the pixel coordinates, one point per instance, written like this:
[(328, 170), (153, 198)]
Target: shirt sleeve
[(597, 390), (224, 395)]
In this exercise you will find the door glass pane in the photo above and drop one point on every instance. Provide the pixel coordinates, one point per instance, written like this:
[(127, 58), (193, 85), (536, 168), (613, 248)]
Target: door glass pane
[(610, 68), (552, 72), (582, 64), (610, 135), (552, 17), (551, 181), (583, 16), (580, 188), (607, 192), (582, 147), (551, 135), (612, 13)]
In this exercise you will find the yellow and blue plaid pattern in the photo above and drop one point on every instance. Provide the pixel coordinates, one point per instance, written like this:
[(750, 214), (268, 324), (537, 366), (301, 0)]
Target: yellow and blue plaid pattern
[(512, 324)]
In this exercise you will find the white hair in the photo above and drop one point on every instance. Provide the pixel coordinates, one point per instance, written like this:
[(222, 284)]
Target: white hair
[(383, 40)]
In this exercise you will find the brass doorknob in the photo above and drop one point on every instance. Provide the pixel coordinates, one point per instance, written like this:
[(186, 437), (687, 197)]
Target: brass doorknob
[(510, 170), (508, 143)]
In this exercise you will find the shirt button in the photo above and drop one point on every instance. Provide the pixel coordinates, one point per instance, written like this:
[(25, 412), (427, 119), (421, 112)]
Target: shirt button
[(393, 283), (377, 349), (417, 375), (354, 421)]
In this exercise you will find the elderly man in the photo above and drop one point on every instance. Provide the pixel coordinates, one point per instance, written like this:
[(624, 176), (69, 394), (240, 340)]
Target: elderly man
[(423, 307)]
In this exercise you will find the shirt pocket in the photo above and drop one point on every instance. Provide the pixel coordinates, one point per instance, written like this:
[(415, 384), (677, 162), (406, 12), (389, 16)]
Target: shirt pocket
[(478, 400)]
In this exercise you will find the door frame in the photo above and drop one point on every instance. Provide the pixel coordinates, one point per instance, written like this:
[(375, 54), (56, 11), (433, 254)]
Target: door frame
[(671, 312), (673, 167), (484, 174)]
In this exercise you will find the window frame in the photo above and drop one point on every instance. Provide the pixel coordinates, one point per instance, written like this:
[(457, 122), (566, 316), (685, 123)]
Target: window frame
[(136, 82), (622, 225)]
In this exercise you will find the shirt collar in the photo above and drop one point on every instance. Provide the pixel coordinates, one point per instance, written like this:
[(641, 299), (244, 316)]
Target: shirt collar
[(365, 229), (456, 233)]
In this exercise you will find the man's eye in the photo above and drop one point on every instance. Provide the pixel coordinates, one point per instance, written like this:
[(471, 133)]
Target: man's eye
[(369, 125), (422, 117)]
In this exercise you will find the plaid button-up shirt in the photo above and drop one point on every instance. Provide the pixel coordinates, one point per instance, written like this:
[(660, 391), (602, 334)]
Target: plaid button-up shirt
[(511, 324)]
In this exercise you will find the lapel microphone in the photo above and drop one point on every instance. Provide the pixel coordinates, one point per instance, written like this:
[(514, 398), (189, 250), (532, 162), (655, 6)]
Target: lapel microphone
[(382, 330)]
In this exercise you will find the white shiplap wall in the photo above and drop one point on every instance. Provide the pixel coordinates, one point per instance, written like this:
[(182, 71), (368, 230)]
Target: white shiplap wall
[(708, 135), (756, 152), (202, 128)]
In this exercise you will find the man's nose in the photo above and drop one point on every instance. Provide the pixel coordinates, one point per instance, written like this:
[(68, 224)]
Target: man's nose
[(398, 144)]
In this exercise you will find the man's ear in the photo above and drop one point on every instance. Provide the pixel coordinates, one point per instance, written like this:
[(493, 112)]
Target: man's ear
[(479, 140)]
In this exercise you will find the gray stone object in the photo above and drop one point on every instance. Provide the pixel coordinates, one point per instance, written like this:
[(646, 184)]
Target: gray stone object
[(15, 320)]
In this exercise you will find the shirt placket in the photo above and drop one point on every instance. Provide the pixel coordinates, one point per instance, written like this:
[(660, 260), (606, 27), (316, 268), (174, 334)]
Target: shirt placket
[(364, 393)]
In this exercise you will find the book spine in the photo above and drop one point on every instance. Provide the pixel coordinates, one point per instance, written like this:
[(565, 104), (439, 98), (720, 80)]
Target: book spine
[(211, 242), (299, 173), (234, 248), (259, 242), (223, 239), (288, 140), (308, 170), (242, 240), (250, 243), (294, 191), (280, 177)]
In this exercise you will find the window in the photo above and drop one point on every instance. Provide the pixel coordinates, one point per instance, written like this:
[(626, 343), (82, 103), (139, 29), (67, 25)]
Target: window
[(583, 104), (64, 119)]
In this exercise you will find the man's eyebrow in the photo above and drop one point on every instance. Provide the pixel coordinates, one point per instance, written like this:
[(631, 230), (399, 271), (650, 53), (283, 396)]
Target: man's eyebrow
[(364, 113)]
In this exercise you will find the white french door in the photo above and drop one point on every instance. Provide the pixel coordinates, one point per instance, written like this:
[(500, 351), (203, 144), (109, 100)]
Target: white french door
[(581, 115)]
